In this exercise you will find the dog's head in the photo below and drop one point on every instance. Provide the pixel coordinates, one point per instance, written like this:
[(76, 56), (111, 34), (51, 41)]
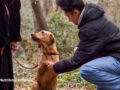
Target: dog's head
[(43, 38)]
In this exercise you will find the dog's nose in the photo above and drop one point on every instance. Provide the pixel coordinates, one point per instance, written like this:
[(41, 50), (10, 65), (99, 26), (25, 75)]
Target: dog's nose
[(32, 35)]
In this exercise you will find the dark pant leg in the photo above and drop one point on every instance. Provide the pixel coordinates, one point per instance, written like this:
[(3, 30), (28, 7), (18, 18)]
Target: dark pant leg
[(11, 84), (4, 72), (6, 69)]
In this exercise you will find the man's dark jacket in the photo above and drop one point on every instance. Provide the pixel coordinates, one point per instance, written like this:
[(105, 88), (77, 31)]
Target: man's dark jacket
[(99, 37)]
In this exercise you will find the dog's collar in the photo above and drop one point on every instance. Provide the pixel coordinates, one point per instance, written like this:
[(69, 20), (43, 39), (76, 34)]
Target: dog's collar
[(50, 53)]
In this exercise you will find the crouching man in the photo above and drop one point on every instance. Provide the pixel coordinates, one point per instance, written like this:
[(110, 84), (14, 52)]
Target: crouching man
[(98, 52)]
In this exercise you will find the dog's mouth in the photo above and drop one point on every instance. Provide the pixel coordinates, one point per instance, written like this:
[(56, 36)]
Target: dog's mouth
[(34, 38), (39, 46)]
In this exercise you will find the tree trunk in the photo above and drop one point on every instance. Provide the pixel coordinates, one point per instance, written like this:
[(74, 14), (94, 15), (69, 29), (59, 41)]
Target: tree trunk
[(36, 25), (47, 6), (40, 19), (103, 4)]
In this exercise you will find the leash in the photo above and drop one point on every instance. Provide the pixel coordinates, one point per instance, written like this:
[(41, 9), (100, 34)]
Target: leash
[(23, 65), (35, 65), (30, 67)]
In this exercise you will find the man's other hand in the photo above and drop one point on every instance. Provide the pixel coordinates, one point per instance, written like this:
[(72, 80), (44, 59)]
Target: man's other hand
[(75, 49), (14, 46)]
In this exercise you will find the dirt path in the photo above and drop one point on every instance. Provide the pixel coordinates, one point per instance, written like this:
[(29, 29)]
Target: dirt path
[(57, 89)]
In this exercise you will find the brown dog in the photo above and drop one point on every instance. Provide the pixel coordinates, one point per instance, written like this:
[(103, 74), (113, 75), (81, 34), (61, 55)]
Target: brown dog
[(45, 79)]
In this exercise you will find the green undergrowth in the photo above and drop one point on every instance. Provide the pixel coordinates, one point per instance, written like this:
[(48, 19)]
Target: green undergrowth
[(66, 35)]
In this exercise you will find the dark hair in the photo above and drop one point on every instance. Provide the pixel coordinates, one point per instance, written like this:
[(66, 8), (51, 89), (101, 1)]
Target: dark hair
[(70, 5)]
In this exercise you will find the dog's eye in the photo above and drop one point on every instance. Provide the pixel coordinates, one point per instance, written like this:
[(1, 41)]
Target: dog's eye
[(43, 33)]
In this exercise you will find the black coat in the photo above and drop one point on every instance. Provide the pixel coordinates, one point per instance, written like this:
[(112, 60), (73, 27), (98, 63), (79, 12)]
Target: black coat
[(99, 37), (9, 31), (9, 28)]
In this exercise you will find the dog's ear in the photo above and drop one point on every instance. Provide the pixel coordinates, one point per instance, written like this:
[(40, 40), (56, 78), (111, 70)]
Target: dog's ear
[(52, 39)]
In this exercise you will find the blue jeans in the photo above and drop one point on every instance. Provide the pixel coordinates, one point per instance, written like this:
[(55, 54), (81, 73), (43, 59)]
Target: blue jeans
[(104, 72)]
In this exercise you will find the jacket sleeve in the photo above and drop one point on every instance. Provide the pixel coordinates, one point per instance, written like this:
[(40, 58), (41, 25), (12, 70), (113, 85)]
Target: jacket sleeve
[(4, 33), (14, 26), (90, 45)]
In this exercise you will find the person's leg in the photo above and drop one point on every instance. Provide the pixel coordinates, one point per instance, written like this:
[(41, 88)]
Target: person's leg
[(4, 72), (6, 69), (9, 58), (104, 72)]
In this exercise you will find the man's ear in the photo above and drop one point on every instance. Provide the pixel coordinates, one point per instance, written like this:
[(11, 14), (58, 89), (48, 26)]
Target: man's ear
[(52, 39), (76, 12)]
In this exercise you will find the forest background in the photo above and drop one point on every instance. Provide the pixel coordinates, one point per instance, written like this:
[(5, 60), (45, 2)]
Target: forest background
[(37, 15)]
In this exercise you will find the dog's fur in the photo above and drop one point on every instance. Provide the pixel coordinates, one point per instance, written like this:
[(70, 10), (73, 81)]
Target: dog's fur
[(45, 79)]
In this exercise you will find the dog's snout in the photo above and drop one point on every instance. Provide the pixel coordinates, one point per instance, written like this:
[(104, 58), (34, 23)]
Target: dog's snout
[(32, 35)]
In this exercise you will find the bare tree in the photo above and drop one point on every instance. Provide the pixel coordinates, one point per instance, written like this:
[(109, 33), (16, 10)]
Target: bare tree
[(47, 6), (116, 12), (40, 19), (111, 7), (104, 4), (50, 5)]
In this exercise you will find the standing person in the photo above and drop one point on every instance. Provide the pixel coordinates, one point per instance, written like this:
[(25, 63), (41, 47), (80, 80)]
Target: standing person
[(98, 52), (9, 36)]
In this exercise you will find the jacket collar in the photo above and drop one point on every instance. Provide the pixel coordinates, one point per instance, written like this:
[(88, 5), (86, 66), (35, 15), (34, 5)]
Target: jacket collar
[(81, 16), (90, 12)]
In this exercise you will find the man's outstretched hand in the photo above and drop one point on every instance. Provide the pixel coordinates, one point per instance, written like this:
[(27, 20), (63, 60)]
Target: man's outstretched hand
[(50, 67)]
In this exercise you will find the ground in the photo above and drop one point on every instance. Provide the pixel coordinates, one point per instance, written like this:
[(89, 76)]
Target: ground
[(57, 89)]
